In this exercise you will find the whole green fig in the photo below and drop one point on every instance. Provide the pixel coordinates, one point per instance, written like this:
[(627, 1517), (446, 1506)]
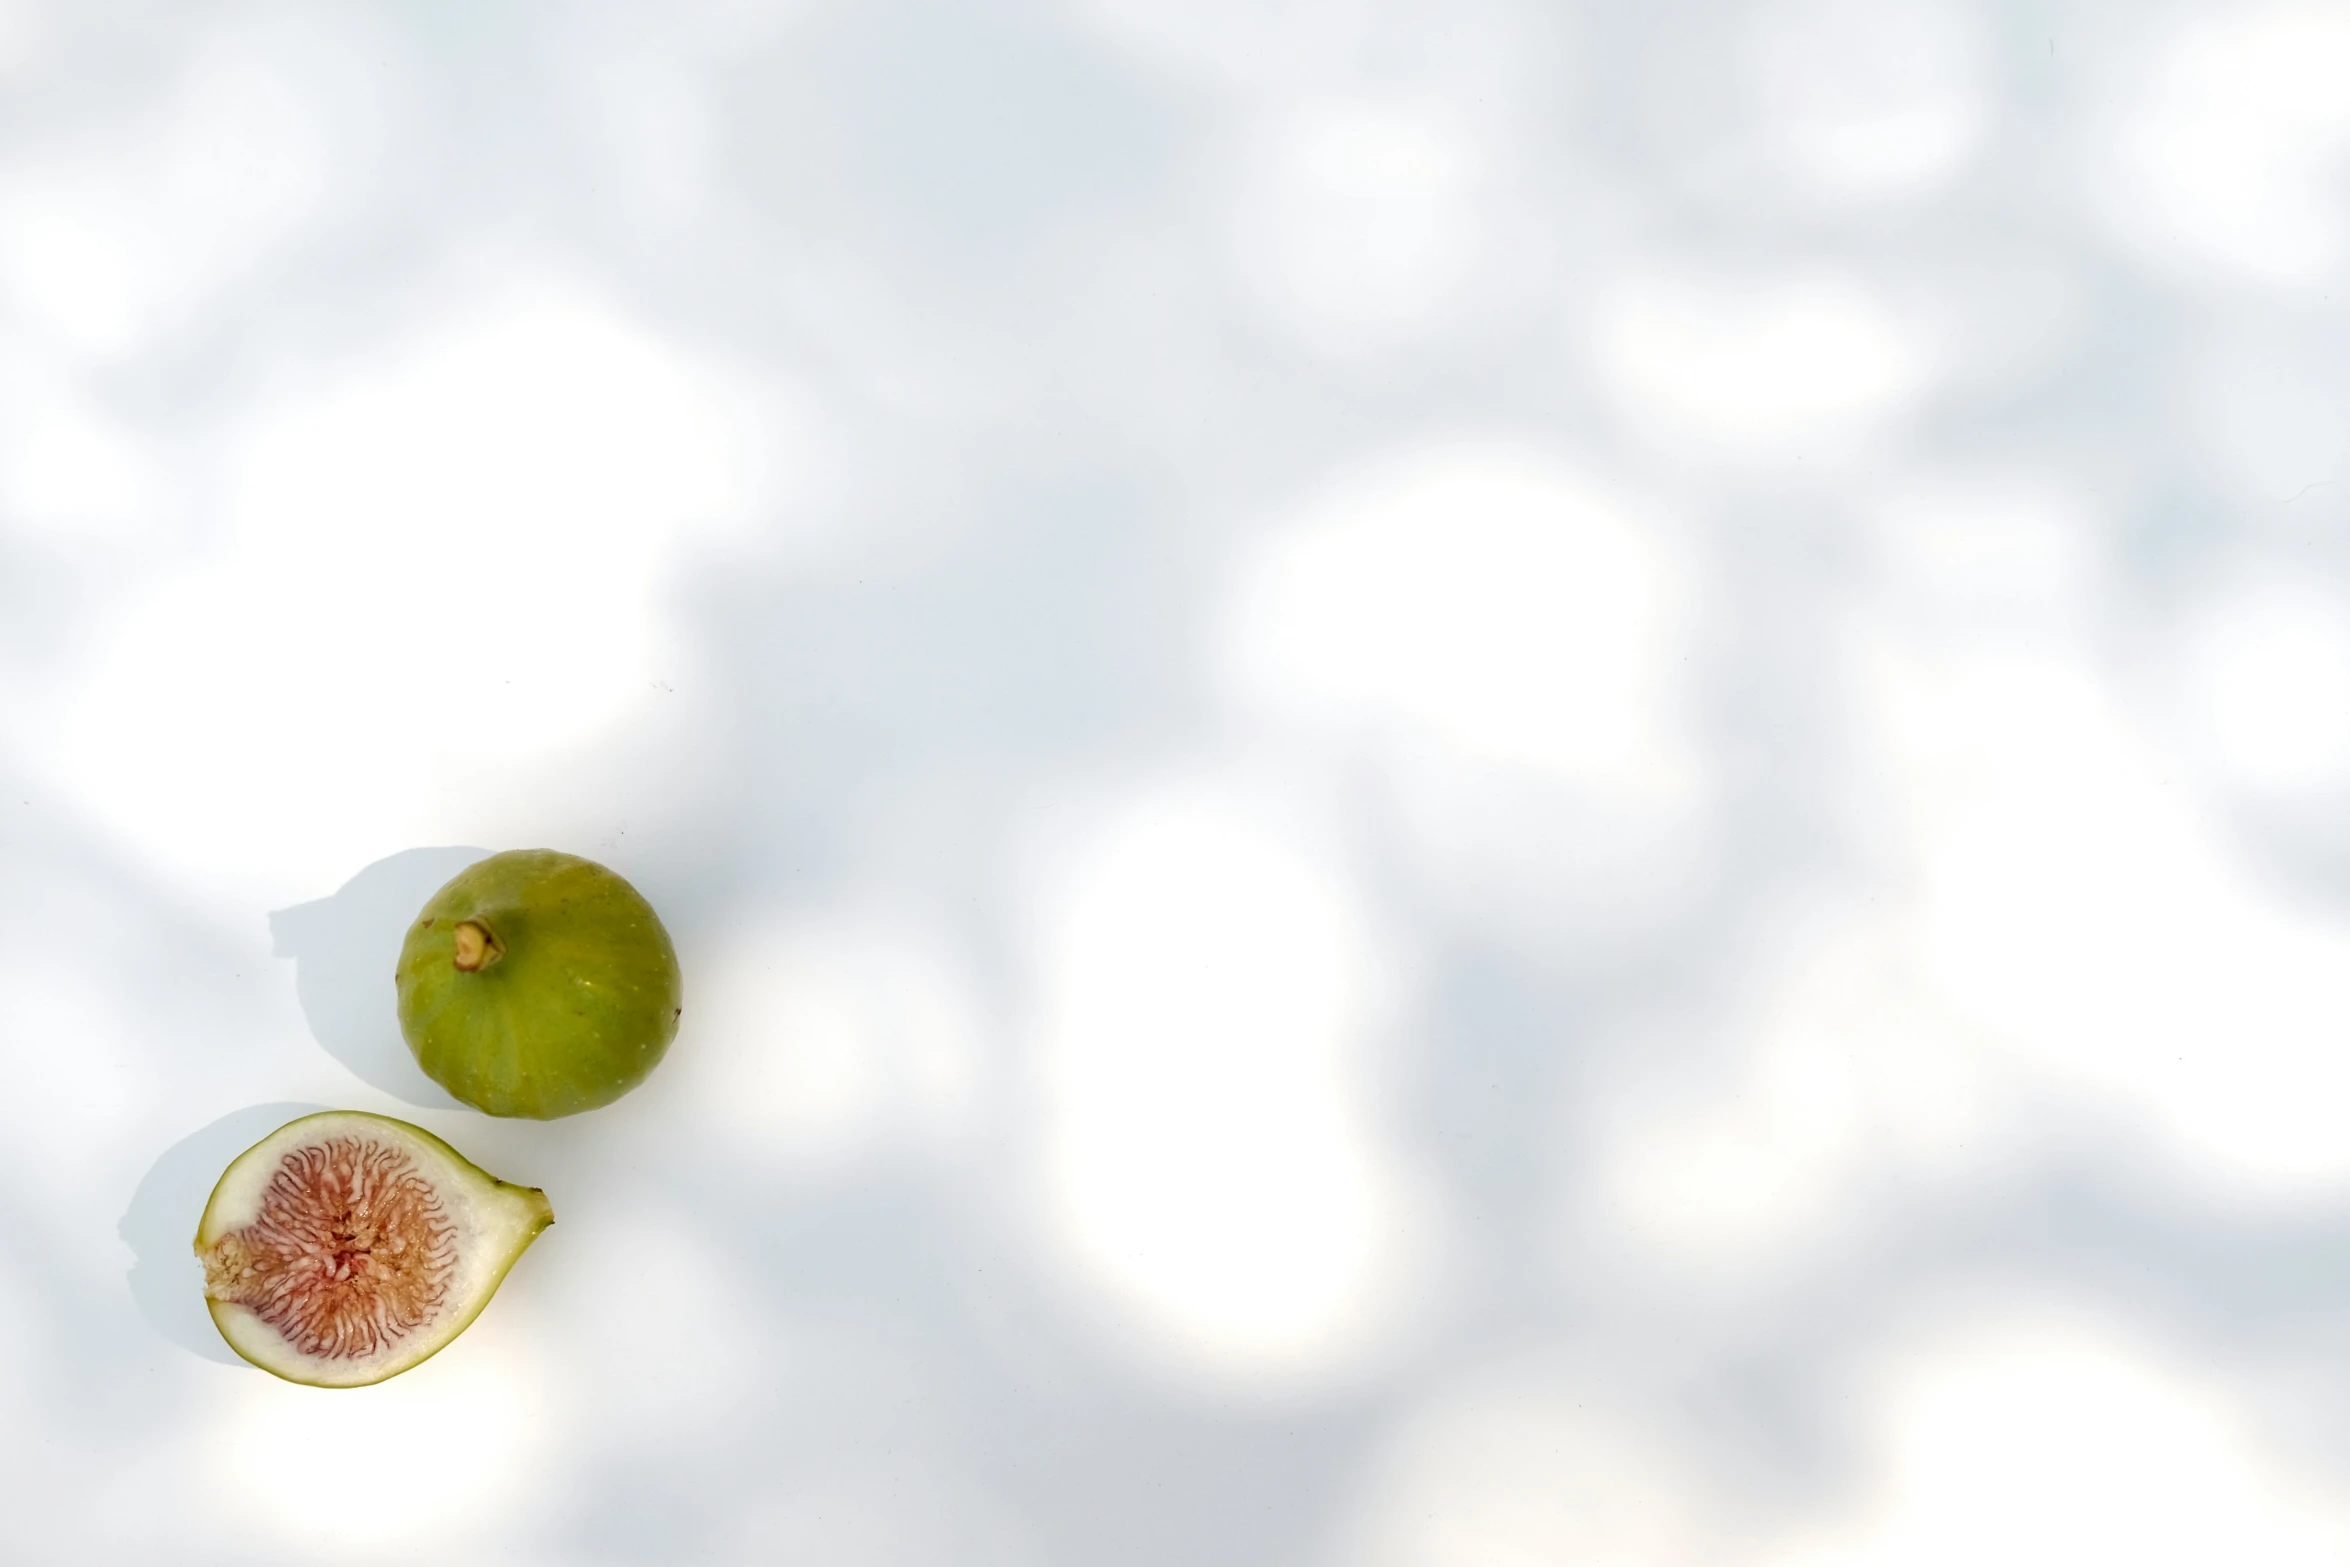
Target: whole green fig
[(538, 984)]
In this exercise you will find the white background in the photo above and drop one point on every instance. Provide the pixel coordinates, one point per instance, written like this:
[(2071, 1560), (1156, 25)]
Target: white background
[(1446, 785)]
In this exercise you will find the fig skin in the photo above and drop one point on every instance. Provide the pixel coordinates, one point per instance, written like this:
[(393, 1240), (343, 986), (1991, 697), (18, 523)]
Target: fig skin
[(538, 984), (491, 1224)]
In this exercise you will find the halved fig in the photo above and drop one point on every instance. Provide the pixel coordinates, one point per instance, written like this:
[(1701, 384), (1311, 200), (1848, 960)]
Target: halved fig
[(538, 984), (344, 1248)]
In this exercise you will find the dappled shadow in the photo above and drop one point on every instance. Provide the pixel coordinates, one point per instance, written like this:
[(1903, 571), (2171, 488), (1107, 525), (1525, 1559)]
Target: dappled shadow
[(345, 948), (1225, 634)]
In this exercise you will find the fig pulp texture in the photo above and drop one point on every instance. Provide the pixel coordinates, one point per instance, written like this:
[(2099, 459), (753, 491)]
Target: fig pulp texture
[(344, 1248), (538, 984)]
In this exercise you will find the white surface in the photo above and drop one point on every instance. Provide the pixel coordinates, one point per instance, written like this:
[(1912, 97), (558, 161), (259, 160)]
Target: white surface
[(1444, 785)]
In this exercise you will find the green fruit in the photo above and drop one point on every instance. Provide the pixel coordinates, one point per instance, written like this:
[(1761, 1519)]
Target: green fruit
[(538, 984), (344, 1248)]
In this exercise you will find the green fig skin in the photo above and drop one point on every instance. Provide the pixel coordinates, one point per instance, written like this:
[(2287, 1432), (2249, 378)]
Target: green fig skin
[(538, 984)]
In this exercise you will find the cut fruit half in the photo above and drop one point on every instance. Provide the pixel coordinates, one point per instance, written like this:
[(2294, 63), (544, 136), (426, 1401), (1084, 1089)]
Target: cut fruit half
[(344, 1248)]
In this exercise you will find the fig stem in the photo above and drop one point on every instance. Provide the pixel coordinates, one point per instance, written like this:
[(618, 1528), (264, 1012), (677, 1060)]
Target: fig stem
[(477, 948)]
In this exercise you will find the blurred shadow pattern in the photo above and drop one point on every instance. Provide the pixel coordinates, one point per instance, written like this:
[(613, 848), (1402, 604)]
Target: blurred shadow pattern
[(345, 949), (1444, 784)]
